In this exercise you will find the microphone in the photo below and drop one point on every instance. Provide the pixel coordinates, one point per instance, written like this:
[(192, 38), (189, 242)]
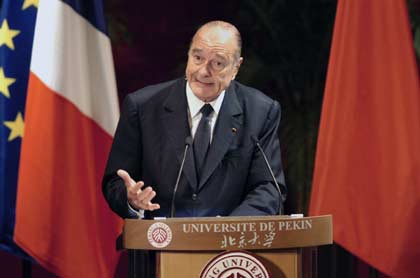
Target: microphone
[(188, 143), (257, 143)]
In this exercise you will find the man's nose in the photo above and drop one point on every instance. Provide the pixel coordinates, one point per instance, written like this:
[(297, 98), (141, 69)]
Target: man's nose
[(204, 70)]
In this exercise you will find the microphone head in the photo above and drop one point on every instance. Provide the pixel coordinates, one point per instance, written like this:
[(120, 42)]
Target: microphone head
[(188, 141)]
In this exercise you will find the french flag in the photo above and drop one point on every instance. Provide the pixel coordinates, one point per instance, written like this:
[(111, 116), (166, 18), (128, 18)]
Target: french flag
[(62, 220)]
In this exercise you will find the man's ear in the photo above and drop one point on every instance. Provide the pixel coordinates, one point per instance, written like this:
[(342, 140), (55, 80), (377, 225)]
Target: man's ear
[(237, 66)]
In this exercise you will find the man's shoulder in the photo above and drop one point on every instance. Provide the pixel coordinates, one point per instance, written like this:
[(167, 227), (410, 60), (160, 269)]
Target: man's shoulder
[(152, 91), (251, 95)]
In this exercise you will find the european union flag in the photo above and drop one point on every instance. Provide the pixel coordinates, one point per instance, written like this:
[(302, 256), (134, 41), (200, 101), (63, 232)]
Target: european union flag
[(17, 23)]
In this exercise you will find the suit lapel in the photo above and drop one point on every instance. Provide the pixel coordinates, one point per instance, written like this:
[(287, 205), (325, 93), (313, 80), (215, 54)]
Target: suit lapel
[(227, 125), (175, 120)]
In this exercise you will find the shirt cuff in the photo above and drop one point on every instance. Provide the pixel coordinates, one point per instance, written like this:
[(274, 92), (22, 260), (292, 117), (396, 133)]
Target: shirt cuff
[(139, 214)]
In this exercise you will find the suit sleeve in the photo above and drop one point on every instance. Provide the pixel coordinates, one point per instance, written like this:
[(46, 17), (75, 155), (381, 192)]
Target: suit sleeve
[(262, 196), (125, 154)]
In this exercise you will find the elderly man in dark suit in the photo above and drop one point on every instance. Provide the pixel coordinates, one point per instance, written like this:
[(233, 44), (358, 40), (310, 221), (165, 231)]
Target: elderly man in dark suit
[(211, 122)]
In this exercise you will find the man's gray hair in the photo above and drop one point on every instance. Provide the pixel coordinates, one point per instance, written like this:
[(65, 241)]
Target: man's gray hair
[(228, 27)]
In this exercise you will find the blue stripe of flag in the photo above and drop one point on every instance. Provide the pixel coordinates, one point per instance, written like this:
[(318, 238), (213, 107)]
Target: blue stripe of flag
[(92, 11), (15, 64)]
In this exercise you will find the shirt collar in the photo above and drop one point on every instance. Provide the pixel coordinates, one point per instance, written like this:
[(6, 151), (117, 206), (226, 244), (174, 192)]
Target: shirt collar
[(195, 104)]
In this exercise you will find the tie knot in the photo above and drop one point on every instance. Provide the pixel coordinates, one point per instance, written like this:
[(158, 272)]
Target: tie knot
[(206, 110)]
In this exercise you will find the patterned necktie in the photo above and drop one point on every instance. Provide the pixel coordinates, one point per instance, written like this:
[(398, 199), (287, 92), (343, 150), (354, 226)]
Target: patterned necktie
[(202, 138)]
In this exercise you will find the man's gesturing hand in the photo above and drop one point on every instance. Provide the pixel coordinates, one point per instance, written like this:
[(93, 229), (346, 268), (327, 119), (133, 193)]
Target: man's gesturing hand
[(138, 198)]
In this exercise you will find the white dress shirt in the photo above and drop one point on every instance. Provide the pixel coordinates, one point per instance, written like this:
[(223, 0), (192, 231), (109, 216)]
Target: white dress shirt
[(194, 106)]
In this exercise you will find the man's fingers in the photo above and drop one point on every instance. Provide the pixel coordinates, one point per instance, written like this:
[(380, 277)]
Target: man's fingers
[(141, 198), (136, 188), (135, 195), (154, 206), (133, 187), (126, 177), (149, 196), (138, 185), (151, 206), (145, 202)]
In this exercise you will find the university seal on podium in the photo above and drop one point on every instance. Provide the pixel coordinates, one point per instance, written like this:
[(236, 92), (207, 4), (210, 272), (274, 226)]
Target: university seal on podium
[(235, 264), (159, 235)]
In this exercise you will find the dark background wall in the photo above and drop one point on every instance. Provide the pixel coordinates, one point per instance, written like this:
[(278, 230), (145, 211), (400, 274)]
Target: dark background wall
[(285, 48)]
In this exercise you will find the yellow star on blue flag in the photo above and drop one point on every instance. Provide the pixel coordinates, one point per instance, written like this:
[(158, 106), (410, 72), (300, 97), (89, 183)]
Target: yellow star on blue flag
[(16, 127), (7, 35), (5, 82), (29, 3)]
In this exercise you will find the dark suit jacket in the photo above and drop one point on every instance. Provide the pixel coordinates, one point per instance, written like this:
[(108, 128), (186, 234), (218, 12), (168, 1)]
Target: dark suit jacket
[(149, 143)]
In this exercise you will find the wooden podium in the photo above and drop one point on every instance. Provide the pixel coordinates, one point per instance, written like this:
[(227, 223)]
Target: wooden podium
[(199, 247)]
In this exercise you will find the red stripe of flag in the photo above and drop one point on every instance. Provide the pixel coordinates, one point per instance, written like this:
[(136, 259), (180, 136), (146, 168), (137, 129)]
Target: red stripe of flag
[(62, 218), (367, 170)]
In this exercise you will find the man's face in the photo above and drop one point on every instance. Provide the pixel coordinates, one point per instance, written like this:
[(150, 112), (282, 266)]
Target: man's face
[(211, 62)]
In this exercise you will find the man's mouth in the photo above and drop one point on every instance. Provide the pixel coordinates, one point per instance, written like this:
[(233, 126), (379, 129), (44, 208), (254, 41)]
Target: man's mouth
[(204, 84)]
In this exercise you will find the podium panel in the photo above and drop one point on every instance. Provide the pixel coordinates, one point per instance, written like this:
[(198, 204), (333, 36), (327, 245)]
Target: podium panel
[(280, 264), (228, 247)]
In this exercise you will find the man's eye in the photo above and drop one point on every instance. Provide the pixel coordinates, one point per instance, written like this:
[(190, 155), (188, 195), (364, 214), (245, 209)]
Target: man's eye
[(197, 58), (218, 65)]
